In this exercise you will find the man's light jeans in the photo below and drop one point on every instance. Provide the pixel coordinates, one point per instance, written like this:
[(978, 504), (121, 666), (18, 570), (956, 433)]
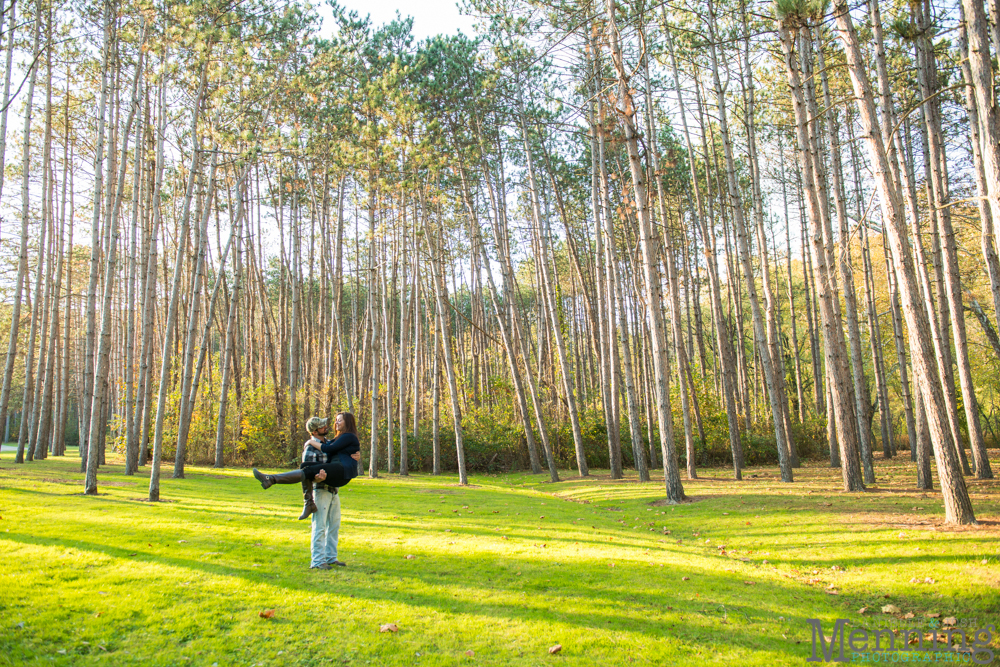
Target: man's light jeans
[(325, 527)]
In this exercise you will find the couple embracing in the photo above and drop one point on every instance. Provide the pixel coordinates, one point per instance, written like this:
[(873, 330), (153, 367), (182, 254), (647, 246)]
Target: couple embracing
[(327, 465)]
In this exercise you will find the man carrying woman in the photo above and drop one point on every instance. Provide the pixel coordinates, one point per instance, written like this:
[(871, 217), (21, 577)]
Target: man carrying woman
[(327, 465)]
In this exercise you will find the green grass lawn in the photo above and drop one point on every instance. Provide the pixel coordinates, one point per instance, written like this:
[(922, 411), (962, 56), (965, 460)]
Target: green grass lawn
[(494, 573)]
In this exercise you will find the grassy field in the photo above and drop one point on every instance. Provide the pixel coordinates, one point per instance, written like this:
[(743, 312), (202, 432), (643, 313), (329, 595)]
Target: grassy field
[(495, 573)]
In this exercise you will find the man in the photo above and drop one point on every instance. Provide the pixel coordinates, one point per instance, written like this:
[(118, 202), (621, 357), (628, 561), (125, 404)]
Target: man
[(326, 517)]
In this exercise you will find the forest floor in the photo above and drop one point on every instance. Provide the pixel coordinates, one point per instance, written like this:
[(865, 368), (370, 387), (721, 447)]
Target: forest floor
[(494, 573)]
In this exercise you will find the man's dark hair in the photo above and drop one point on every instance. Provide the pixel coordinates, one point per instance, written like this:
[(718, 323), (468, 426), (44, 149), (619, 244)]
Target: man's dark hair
[(349, 424)]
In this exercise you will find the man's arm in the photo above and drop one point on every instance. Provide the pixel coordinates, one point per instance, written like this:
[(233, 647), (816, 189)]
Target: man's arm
[(321, 475), (341, 443)]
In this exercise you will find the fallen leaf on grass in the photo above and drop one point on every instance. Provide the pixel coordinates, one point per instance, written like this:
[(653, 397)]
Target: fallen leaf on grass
[(685, 578), (908, 615), (555, 649), (862, 610), (267, 613), (749, 583), (890, 609), (470, 653), (388, 627), (932, 614), (951, 620)]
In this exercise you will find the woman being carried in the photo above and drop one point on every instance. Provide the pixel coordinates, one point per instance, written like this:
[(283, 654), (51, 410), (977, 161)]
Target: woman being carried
[(342, 455)]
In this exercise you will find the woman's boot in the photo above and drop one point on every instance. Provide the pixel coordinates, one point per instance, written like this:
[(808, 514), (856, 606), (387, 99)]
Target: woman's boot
[(308, 502), (290, 477)]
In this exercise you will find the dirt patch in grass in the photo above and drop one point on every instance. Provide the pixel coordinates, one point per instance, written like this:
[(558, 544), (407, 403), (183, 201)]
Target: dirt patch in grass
[(663, 502), (920, 522)]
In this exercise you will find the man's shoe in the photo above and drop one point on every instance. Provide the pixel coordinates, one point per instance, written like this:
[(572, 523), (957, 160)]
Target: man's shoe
[(322, 566), (337, 563)]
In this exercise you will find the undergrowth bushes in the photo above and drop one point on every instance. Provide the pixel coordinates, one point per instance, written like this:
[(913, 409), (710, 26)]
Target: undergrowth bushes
[(261, 434)]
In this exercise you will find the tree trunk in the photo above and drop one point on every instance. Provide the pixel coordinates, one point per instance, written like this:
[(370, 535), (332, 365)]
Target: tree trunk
[(838, 374), (102, 365), (958, 507), (171, 318), (22, 262), (736, 205), (650, 266), (723, 345)]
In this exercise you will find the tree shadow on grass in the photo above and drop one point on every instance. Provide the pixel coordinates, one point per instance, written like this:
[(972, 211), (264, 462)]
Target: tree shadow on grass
[(671, 612)]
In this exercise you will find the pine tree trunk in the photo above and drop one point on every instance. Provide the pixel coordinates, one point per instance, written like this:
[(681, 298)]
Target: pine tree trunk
[(958, 507), (938, 167), (723, 346), (171, 317), (981, 70), (22, 262), (144, 402), (440, 290), (650, 266), (11, 16), (192, 321), (50, 326), (736, 206), (616, 305), (862, 397), (102, 364), (547, 284), (838, 373), (979, 169), (228, 361)]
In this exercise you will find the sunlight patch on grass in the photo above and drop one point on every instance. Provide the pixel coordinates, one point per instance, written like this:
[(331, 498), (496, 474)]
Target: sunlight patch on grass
[(506, 568)]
